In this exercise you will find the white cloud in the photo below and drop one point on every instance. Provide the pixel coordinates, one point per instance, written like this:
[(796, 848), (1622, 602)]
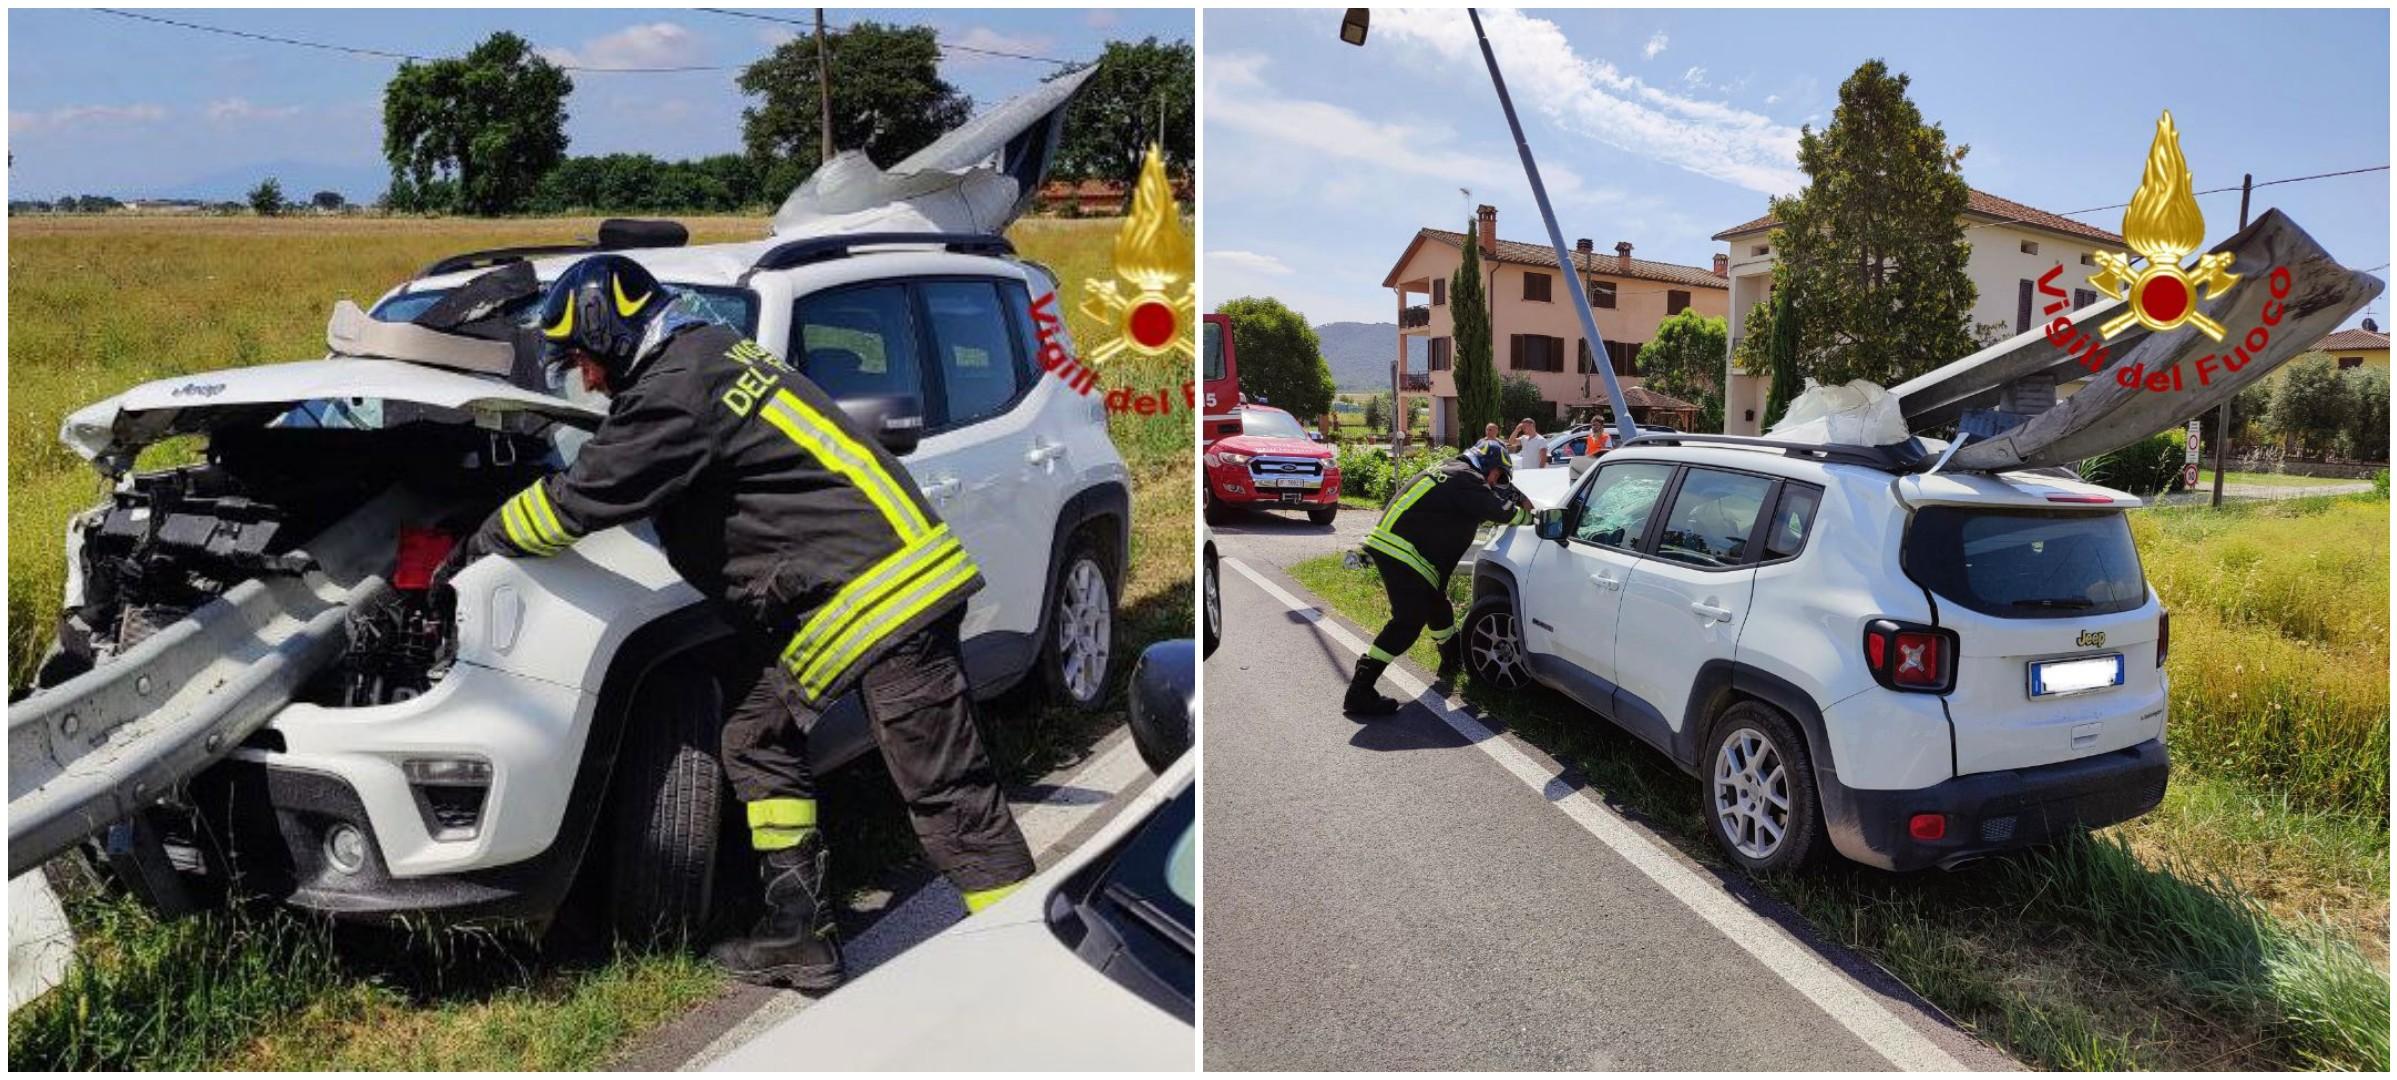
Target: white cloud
[(983, 37), (1694, 75), (1246, 262), (649, 45), (1656, 44), (234, 109), (1772, 99), (1595, 99), (83, 116)]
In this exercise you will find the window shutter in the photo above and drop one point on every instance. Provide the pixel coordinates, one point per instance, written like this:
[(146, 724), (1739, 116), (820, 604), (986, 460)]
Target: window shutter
[(1535, 286), (1514, 351), (1439, 291), (2082, 298), (2022, 307), (1676, 301), (1602, 294)]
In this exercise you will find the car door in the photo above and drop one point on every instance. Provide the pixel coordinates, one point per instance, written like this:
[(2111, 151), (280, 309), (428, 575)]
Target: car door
[(876, 339), (1005, 465), (1685, 603), (1578, 589)]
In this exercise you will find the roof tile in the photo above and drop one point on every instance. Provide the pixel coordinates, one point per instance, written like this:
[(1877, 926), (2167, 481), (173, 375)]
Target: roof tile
[(1982, 203), (1510, 251)]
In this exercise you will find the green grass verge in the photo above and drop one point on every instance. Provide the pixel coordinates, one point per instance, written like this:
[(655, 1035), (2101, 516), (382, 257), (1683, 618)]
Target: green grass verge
[(2205, 480), (2232, 927)]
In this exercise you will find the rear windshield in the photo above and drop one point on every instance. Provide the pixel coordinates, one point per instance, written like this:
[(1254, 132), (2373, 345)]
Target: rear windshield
[(735, 308), (2026, 564)]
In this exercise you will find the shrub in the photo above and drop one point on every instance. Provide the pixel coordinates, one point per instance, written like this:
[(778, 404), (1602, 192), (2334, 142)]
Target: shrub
[(2146, 467)]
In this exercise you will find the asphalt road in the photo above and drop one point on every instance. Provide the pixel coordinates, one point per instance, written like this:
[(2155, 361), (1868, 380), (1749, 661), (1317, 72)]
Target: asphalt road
[(1420, 893)]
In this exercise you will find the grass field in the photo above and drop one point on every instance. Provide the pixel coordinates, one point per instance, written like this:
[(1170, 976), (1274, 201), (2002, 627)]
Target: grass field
[(99, 304), (2205, 479), (2244, 924)]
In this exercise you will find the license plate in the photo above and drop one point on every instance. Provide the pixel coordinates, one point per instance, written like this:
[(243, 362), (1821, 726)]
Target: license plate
[(2050, 678), (1291, 496), (1290, 482)]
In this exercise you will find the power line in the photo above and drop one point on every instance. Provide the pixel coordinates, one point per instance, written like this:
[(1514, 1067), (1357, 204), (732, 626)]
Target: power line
[(946, 45), (385, 54), (2208, 191)]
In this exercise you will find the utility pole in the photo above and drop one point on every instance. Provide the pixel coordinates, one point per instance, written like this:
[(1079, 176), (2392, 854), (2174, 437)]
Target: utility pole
[(2222, 412), (824, 93)]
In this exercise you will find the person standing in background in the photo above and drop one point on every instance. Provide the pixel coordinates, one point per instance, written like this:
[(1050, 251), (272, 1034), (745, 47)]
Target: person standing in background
[(1531, 448)]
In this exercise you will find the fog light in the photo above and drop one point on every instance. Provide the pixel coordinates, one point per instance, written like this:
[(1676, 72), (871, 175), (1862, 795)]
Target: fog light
[(474, 772), (1928, 826), (345, 848)]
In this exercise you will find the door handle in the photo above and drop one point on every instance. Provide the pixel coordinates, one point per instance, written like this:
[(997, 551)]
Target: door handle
[(1712, 613), (1606, 582), (1044, 452), (944, 487)]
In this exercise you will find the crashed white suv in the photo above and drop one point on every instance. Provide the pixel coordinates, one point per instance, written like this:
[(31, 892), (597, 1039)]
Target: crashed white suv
[(1914, 667)]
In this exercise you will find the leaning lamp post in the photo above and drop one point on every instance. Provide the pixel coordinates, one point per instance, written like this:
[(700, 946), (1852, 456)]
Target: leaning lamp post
[(1353, 28)]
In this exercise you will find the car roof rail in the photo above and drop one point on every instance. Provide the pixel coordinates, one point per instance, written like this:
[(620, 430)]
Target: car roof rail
[(1906, 456), (815, 249), (615, 234)]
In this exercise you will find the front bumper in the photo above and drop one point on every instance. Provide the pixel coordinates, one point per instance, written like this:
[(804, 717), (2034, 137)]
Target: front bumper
[(1240, 491), (1996, 811)]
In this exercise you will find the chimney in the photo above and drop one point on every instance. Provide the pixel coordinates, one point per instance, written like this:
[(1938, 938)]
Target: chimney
[(1488, 215), (1584, 260), (1623, 256), (1722, 265)]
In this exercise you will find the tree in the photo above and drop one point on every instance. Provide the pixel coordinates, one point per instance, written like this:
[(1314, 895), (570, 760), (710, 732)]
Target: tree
[(1281, 361), (484, 127), (267, 198), (1519, 397), (1782, 357), (888, 100), (1141, 95), (2367, 434), (1873, 243), (1476, 374), (328, 200), (1377, 412), (2310, 407), (1684, 359)]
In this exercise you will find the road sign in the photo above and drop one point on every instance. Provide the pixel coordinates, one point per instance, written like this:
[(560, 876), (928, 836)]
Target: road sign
[(2189, 475), (2196, 427)]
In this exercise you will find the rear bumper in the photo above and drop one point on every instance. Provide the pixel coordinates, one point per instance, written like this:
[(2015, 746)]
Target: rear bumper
[(1996, 811)]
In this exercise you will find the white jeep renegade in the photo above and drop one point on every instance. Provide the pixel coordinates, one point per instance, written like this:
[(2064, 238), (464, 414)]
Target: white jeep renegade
[(1845, 645)]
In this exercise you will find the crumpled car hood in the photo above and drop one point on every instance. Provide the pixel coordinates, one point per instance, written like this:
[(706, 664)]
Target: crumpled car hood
[(109, 433)]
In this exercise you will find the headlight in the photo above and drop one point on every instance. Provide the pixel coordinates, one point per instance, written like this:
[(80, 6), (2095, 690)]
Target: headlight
[(1230, 457)]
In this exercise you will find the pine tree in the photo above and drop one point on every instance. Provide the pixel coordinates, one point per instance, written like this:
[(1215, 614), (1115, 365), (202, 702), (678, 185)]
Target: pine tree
[(1873, 243), (1781, 355), (1476, 373)]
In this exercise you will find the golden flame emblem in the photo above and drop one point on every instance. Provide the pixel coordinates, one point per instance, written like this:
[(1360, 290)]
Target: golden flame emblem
[(1152, 256), (2164, 225)]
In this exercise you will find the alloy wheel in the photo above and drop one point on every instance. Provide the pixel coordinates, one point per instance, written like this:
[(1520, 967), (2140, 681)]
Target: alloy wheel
[(1751, 787), (1495, 650), (1085, 630)]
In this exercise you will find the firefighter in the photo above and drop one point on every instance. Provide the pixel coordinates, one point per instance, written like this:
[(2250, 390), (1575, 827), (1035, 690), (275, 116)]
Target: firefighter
[(1416, 545), (817, 548)]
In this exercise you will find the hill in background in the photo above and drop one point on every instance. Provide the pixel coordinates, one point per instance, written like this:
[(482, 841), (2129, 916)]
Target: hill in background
[(1360, 354)]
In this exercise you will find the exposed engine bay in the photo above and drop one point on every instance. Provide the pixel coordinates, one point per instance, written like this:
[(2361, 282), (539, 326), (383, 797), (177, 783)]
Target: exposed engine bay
[(167, 542)]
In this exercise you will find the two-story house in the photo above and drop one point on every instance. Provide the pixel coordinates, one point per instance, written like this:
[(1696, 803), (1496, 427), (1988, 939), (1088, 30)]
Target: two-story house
[(2012, 246), (1534, 331)]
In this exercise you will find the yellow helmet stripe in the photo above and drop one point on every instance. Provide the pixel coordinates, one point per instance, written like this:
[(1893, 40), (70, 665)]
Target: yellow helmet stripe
[(625, 307), (565, 323)]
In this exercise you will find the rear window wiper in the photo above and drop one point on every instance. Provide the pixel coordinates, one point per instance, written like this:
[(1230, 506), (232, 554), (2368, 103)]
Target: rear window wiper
[(2055, 602)]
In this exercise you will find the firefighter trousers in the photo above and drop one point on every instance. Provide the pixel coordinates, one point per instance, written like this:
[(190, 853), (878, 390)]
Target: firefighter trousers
[(921, 710), (1415, 605)]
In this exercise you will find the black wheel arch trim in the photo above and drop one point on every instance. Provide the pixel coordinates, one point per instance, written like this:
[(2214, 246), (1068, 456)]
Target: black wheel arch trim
[(1718, 680)]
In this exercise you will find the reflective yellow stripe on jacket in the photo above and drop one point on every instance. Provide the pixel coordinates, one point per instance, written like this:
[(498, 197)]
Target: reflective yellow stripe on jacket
[(532, 524), (1389, 543)]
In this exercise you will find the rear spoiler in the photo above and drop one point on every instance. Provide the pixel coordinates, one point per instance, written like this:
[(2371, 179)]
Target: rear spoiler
[(615, 234)]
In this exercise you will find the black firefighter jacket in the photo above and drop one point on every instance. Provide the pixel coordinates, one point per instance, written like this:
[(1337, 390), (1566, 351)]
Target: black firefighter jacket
[(766, 497), (1432, 520)]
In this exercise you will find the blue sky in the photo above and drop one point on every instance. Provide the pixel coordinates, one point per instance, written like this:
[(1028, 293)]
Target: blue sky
[(1665, 127), (105, 105)]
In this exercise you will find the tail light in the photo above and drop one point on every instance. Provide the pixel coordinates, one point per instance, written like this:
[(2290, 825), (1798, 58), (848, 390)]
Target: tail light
[(420, 553), (1927, 827), (1910, 656), (2163, 636)]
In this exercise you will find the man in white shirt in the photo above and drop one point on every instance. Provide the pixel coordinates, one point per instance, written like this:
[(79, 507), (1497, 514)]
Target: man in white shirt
[(1531, 449)]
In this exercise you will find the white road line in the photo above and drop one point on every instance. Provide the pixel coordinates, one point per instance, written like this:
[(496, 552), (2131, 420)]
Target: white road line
[(1806, 972), (1045, 823)]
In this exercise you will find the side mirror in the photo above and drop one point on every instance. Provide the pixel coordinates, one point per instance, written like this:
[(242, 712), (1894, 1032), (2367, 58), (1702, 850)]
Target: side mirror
[(1164, 689), (1549, 524), (895, 420)]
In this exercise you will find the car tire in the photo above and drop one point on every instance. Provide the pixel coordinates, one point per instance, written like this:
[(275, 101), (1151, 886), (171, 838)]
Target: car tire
[(1758, 775), (1078, 644), (668, 798), (1322, 515), (1210, 604), (1216, 511), (1494, 645)]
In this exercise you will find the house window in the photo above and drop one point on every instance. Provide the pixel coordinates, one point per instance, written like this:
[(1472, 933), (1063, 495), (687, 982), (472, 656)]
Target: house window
[(1761, 249), (1602, 294), (2082, 298), (1438, 355), (1676, 300), (2088, 260), (2022, 307), (1624, 357), (1535, 352), (2030, 247), (1535, 287), (1439, 291), (2346, 362)]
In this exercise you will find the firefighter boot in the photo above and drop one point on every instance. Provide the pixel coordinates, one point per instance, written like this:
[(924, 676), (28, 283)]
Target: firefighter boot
[(793, 944), (1452, 656), (1363, 699)]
